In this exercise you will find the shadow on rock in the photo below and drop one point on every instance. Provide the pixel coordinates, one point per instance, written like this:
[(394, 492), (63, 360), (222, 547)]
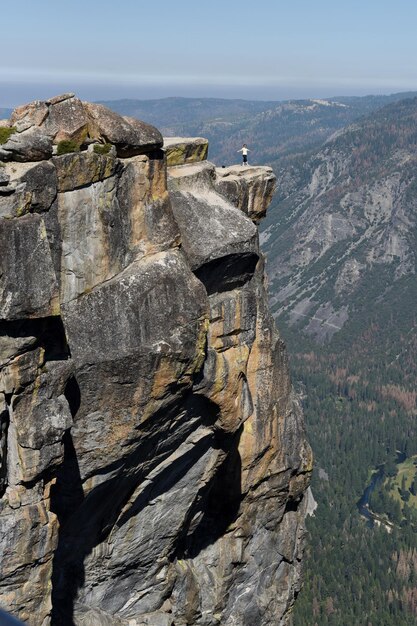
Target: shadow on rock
[(220, 506), (67, 496)]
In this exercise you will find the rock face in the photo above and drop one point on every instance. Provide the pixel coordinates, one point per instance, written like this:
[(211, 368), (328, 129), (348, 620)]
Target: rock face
[(249, 189), (153, 464)]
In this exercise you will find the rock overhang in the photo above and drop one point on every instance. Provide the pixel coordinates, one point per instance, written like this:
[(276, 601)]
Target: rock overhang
[(217, 220)]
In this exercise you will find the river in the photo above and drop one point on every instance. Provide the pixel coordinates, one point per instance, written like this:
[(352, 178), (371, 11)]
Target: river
[(377, 477), (363, 504)]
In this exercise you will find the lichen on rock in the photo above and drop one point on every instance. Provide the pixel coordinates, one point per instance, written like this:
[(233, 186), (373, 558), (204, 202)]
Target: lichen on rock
[(153, 463)]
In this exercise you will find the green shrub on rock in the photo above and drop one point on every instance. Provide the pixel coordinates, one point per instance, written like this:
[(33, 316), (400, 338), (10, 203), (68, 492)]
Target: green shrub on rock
[(66, 146), (6, 132), (102, 148)]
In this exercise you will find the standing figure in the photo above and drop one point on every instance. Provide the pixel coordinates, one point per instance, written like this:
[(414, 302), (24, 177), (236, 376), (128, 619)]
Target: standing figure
[(244, 150)]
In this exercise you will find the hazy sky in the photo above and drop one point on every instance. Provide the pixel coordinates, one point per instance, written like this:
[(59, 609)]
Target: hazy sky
[(270, 49)]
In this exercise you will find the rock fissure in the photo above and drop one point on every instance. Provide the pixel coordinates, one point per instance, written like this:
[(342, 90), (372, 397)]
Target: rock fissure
[(5, 400)]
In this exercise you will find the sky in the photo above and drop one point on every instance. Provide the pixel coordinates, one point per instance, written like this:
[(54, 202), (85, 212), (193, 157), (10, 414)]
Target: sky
[(269, 49)]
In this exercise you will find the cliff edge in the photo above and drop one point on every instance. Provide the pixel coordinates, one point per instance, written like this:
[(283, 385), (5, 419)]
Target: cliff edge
[(153, 459)]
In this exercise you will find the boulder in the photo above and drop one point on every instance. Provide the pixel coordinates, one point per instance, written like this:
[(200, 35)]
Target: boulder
[(181, 150), (29, 115), (62, 117), (38, 183), (29, 145), (65, 117), (128, 135), (138, 337), (149, 137), (60, 98), (145, 308), (66, 120)]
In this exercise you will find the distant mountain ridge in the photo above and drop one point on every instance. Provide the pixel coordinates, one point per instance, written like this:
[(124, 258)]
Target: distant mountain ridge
[(174, 111), (273, 130), (347, 215)]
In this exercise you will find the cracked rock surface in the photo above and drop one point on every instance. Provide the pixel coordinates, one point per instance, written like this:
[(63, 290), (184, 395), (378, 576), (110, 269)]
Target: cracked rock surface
[(153, 462)]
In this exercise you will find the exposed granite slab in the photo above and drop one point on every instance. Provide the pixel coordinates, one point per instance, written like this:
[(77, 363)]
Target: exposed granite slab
[(182, 150), (248, 188), (153, 462)]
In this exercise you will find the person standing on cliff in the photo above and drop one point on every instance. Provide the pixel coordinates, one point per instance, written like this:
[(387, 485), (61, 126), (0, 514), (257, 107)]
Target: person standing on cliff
[(244, 150)]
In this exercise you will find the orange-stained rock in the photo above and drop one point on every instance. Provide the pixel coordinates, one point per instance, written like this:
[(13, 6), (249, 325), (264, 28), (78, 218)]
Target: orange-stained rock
[(182, 150), (153, 462)]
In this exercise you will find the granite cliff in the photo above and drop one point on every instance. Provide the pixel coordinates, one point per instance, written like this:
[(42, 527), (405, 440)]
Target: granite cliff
[(153, 460)]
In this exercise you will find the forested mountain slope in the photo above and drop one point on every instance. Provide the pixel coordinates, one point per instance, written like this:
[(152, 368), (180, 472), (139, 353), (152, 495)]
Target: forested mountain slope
[(342, 265)]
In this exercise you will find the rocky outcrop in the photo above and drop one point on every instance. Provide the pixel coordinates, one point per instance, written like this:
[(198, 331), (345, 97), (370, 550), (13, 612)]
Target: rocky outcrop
[(249, 189), (66, 118), (182, 150), (153, 462)]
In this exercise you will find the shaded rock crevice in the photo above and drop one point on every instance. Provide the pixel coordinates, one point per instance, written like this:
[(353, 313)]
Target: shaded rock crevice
[(219, 506), (4, 427)]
